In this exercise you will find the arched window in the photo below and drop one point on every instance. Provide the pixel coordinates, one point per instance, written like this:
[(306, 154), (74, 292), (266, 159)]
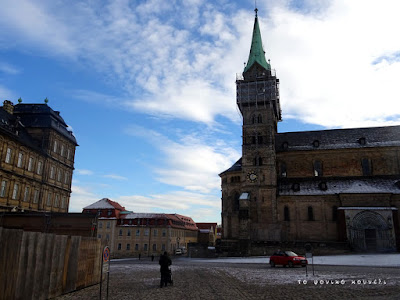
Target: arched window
[(317, 168), (236, 202), (366, 166), (334, 213), (259, 119), (310, 213), (282, 169), (286, 213), (257, 161), (259, 139), (253, 119)]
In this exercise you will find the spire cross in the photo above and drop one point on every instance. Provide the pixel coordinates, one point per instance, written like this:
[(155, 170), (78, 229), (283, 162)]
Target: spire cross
[(256, 10)]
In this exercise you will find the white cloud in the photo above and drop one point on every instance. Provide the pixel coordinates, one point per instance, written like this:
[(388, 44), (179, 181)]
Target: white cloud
[(7, 94), (81, 197), (326, 62), (193, 162), (198, 206), (84, 172), (116, 177), (337, 63), (9, 69)]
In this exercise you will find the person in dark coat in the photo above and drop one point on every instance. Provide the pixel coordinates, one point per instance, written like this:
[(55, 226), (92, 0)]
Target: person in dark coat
[(165, 262)]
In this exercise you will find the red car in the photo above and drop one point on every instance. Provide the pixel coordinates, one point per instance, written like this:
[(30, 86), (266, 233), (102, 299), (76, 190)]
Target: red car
[(287, 258)]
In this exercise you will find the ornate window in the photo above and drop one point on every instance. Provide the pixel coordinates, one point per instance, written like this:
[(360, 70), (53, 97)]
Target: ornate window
[(3, 188), (20, 160), (8, 155), (30, 164), (26, 194), (15, 191)]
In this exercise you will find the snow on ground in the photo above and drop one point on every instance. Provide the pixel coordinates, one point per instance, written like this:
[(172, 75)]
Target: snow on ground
[(373, 260), (266, 275)]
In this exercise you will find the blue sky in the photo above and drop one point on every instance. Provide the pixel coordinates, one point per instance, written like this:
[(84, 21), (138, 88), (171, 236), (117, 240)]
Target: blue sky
[(148, 87)]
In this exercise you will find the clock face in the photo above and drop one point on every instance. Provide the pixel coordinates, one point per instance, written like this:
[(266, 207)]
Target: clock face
[(252, 176)]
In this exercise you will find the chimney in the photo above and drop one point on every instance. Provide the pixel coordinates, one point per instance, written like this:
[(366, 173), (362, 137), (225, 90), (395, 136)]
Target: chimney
[(8, 106)]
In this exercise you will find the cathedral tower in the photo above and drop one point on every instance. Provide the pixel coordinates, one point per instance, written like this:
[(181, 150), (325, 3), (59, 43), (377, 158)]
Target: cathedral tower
[(249, 208)]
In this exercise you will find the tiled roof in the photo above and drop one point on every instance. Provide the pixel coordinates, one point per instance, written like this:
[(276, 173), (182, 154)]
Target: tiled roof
[(43, 116), (105, 203), (206, 225), (12, 126)]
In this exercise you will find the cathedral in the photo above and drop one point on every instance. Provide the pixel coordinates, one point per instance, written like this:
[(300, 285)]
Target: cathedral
[(330, 188)]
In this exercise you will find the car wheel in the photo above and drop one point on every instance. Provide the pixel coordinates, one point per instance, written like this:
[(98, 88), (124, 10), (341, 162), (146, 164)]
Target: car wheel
[(272, 264), (290, 264)]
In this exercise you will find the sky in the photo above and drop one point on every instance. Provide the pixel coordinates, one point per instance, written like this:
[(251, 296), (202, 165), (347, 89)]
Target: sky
[(148, 87)]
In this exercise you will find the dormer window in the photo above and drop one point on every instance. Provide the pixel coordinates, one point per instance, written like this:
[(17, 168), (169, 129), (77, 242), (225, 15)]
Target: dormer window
[(323, 186), (316, 144), (285, 145), (362, 141), (296, 187)]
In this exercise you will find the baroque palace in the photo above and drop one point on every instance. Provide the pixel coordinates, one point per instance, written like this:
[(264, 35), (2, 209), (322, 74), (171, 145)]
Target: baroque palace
[(36, 158), (329, 188)]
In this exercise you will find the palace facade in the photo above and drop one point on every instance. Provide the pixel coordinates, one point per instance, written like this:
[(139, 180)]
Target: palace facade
[(36, 158)]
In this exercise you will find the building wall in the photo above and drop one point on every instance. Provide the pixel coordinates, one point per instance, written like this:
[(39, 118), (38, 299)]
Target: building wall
[(341, 162), (132, 240)]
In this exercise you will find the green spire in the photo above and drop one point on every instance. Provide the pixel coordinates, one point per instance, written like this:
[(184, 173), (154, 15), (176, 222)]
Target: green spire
[(257, 53)]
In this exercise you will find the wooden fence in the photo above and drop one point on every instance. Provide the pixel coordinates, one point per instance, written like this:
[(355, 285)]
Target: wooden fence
[(36, 265)]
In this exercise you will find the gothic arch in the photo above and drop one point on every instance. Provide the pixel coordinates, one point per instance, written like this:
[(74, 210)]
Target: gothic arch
[(369, 220)]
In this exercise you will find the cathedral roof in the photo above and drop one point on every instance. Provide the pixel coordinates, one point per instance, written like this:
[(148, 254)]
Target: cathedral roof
[(333, 139), (368, 185), (257, 53), (338, 139), (237, 166)]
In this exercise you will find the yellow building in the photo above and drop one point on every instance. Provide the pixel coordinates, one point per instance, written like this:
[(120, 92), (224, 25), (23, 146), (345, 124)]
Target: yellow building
[(36, 158), (129, 234)]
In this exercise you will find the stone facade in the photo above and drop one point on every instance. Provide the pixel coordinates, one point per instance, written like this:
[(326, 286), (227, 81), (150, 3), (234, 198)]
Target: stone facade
[(36, 159), (322, 187)]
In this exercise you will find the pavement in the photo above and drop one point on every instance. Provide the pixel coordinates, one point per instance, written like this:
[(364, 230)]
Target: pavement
[(373, 260)]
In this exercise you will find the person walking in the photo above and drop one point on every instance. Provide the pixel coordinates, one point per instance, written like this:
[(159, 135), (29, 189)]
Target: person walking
[(165, 262)]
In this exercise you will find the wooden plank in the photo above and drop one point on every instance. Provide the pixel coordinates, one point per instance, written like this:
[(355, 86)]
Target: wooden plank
[(57, 266), (37, 291), (49, 249), (31, 264), (71, 264), (22, 266), (10, 244)]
